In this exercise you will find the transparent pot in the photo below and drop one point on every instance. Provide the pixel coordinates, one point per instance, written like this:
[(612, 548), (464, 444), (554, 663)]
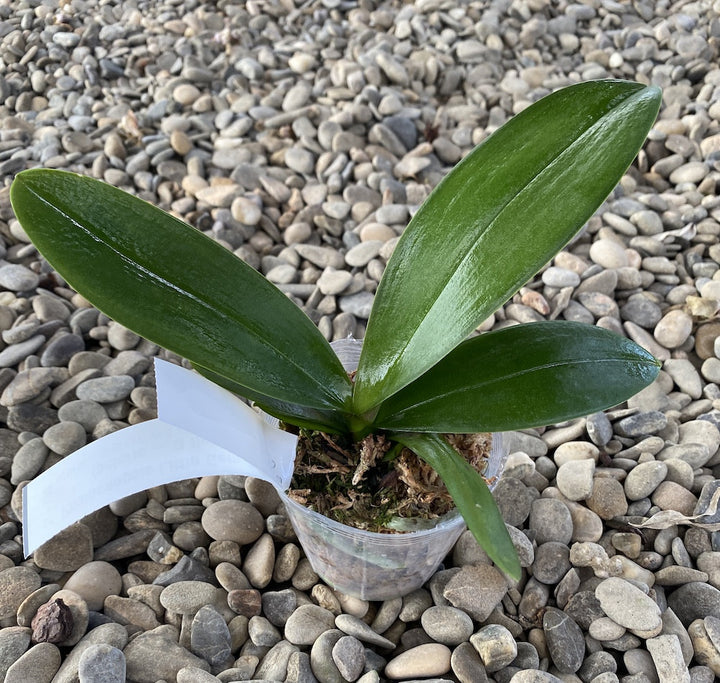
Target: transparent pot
[(370, 565)]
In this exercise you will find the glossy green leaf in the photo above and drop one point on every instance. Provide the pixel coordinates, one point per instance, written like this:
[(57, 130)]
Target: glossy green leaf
[(329, 421), (522, 376), (471, 495), (175, 286), (494, 221)]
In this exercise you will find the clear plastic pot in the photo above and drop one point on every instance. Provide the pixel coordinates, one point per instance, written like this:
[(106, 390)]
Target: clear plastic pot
[(370, 565)]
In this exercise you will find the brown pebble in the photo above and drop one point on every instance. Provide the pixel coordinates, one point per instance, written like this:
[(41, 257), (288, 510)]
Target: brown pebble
[(705, 340), (672, 496), (248, 602), (53, 622), (180, 142), (607, 499)]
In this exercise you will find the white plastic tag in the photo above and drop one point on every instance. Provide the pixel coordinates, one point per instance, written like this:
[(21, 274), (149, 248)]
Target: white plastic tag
[(201, 430)]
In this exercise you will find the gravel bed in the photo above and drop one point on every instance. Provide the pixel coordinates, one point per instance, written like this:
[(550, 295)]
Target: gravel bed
[(302, 136)]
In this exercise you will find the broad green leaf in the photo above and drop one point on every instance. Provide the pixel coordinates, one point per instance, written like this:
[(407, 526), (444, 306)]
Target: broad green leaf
[(471, 495), (330, 421), (522, 376), (175, 286), (494, 221)]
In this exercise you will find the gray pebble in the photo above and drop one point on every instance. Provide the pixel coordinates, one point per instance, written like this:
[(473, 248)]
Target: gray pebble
[(414, 604), (13, 354), (128, 363), (39, 664), (279, 605), (514, 499), (691, 172), (321, 661), (641, 424), (551, 521), (560, 277), (349, 657), (67, 551), (16, 583), (476, 590), (260, 561), (642, 311), (360, 630), (17, 278), (423, 661), (627, 605), (599, 429), (575, 479), (643, 479), (695, 601), (274, 665), (552, 562), (86, 413), (359, 304), (467, 665), (262, 633), (106, 389), (65, 437), (233, 520), (156, 656), (684, 375), (565, 640), (14, 642), (101, 664), (447, 625), (210, 636), (387, 614), (307, 623), (187, 597), (28, 461), (59, 351), (534, 676), (111, 634)]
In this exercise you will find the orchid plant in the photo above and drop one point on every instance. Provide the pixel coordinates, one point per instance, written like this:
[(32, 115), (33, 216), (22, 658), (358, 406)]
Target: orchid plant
[(493, 222)]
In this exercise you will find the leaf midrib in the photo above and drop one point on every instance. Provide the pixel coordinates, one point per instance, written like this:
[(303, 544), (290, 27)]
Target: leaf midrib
[(519, 373), (482, 234)]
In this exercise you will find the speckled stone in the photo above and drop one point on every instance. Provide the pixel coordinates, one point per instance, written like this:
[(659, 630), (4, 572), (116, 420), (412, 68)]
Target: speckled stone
[(627, 605), (67, 551), (476, 590), (551, 521), (39, 665), (102, 662), (16, 583), (495, 645), (187, 597), (155, 656), (608, 498)]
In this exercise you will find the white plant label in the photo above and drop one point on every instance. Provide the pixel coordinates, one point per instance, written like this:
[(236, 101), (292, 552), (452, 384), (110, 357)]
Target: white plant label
[(201, 430)]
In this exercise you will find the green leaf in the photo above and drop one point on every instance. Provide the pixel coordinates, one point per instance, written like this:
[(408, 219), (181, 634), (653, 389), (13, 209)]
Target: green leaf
[(330, 421), (471, 495), (522, 376), (173, 285), (494, 221)]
